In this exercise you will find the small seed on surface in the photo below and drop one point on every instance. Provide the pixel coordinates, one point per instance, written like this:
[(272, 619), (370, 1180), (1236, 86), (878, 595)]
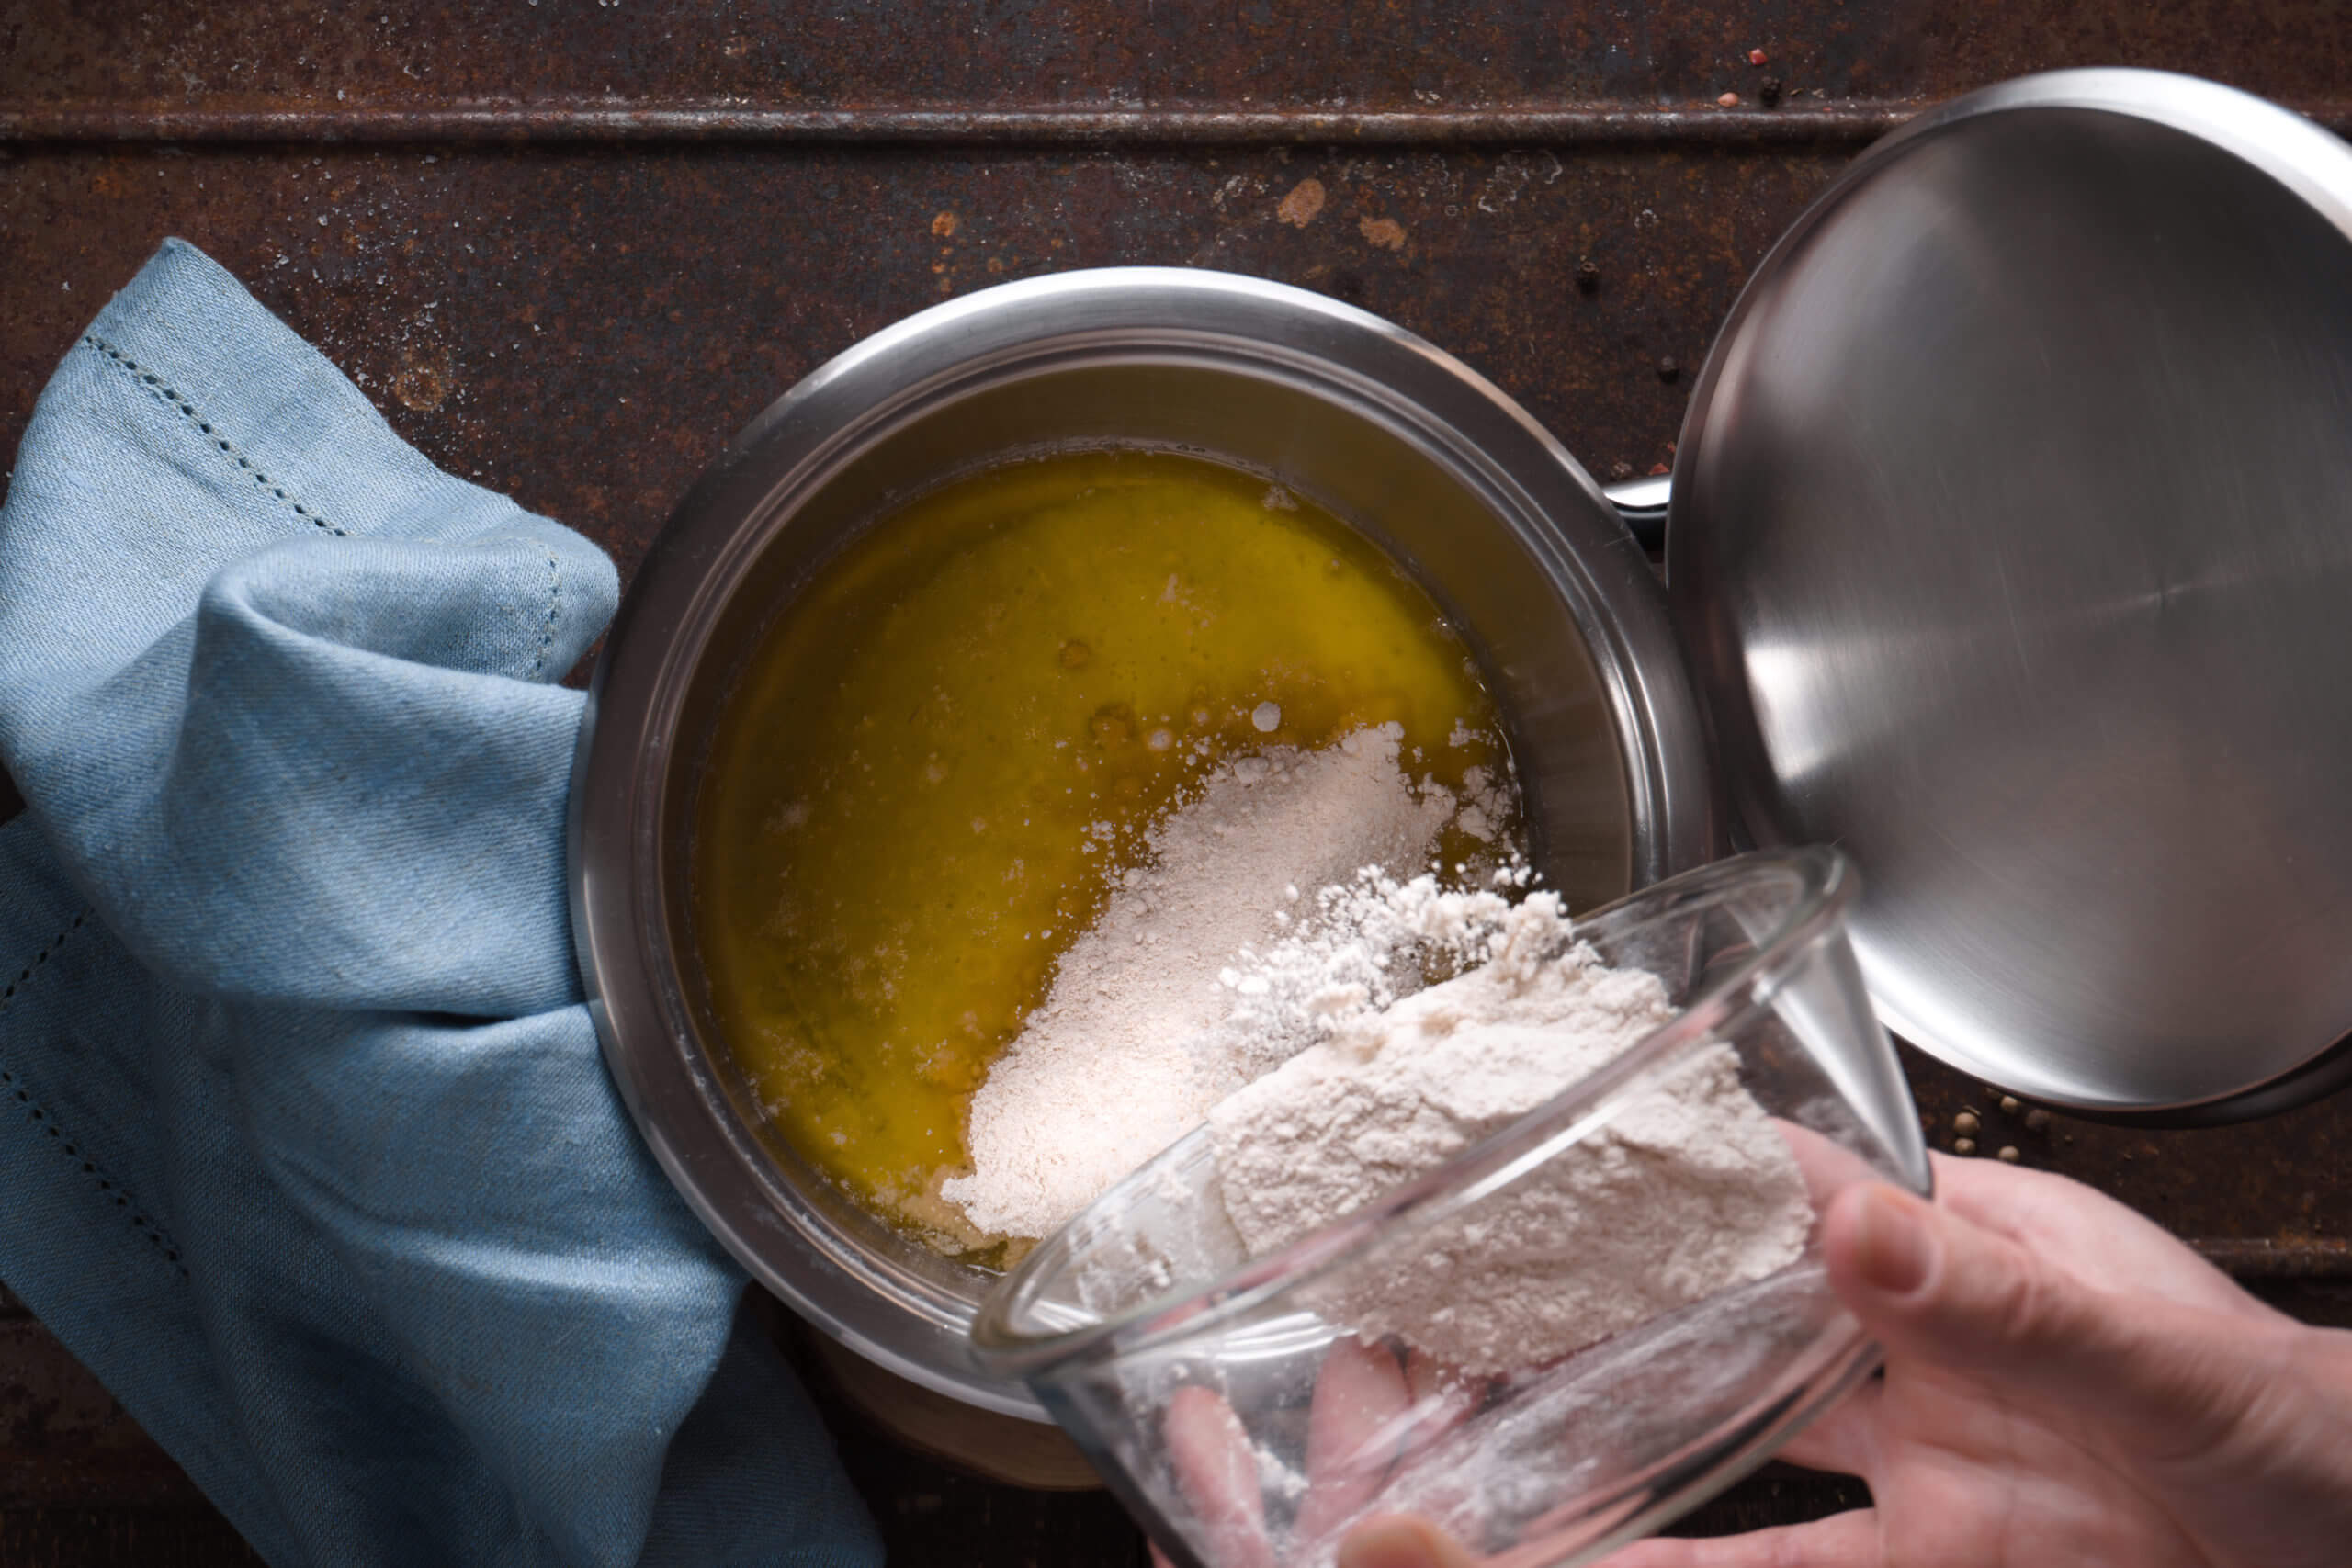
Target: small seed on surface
[(1965, 1123), (1963, 1146), (2009, 1106), (2008, 1154), (2036, 1120)]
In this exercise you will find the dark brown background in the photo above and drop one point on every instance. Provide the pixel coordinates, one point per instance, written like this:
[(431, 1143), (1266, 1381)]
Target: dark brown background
[(569, 247)]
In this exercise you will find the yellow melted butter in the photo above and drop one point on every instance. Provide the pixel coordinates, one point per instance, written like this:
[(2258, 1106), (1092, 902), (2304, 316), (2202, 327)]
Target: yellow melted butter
[(935, 763)]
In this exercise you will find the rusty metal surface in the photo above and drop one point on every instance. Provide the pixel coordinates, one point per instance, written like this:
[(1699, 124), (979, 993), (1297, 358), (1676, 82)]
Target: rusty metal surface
[(191, 1536), (592, 121), (962, 54), (1361, 73), (570, 246), (586, 326), (2270, 1201), (63, 1440)]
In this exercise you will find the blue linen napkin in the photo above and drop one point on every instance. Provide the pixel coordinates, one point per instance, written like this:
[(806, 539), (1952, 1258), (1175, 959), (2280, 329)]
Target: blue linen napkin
[(306, 1146)]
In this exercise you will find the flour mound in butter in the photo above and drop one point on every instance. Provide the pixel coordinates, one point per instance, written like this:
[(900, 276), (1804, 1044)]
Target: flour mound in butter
[(1121, 1061)]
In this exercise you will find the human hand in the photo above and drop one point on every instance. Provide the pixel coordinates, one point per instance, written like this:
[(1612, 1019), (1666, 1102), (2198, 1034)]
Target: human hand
[(2066, 1383)]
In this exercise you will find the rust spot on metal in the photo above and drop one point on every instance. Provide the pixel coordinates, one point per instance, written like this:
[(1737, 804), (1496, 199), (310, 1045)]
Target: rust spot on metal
[(943, 225), (1386, 232), (421, 386), (1303, 204)]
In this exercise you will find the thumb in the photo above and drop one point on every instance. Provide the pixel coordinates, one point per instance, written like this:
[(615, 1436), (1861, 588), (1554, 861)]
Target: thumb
[(1937, 1289)]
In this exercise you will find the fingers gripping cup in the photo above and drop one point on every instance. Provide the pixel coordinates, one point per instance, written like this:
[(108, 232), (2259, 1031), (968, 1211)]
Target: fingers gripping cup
[(1577, 1326)]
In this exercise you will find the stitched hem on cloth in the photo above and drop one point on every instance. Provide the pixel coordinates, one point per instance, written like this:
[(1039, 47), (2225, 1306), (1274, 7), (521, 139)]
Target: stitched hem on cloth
[(555, 604), (13, 1082), (171, 400)]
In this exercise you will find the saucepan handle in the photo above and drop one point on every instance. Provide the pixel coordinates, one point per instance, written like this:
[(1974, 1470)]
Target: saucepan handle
[(1642, 504)]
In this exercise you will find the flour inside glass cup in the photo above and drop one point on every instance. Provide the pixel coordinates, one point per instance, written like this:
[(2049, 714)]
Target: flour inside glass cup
[(1689, 1190)]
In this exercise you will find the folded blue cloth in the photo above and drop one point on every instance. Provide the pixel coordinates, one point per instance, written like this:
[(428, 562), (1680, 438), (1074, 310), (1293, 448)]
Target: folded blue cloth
[(307, 1149)]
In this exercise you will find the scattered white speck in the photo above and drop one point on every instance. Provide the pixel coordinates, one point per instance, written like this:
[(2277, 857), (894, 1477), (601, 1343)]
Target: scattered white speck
[(1267, 717)]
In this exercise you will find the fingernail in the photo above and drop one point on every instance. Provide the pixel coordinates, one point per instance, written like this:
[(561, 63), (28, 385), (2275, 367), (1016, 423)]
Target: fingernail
[(1389, 1543), (1893, 1251)]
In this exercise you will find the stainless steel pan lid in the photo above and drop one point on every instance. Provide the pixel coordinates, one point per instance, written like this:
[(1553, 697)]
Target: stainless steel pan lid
[(2011, 540)]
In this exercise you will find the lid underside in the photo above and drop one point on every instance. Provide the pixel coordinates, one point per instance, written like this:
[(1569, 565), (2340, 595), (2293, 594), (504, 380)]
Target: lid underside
[(2012, 542)]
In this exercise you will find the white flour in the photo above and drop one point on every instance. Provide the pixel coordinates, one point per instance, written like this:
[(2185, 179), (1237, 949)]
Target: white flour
[(1687, 1191), (1121, 1058), (1367, 942), (1261, 972)]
